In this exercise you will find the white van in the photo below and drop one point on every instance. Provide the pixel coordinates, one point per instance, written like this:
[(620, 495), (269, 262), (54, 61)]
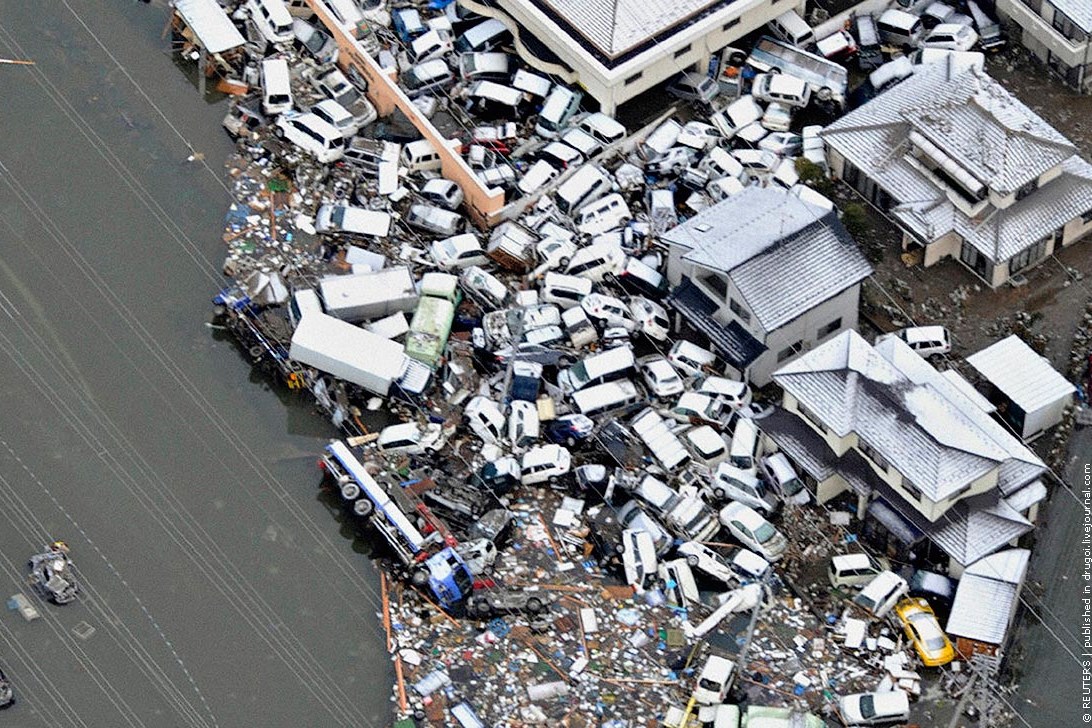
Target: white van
[(484, 36), (791, 28), (605, 129), (558, 108), (900, 28), (435, 220), (272, 19), (718, 163), (544, 463), (605, 367), (276, 90), (596, 261), (603, 398), (587, 183), (781, 88), (420, 156), (433, 44), (485, 66), (602, 215), (782, 477), (312, 135), (680, 587), (853, 570), (565, 291), (880, 594), (531, 84), (492, 98), (744, 451)]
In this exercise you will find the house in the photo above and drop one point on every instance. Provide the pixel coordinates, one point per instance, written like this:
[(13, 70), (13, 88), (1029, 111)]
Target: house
[(925, 467), (1058, 32), (985, 603), (763, 276), (1030, 394), (966, 170), (618, 49)]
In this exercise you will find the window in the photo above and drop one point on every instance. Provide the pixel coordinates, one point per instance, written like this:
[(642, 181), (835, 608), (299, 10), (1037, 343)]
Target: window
[(730, 24), (738, 309), (1027, 189), (1086, 217), (829, 329), (1066, 27), (634, 78), (1036, 5), (869, 452), (912, 490), (1028, 256), (790, 351), (715, 282), (683, 51), (959, 492), (810, 416)]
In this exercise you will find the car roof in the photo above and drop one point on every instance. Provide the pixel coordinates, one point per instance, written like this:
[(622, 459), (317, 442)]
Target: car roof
[(923, 333), (706, 439)]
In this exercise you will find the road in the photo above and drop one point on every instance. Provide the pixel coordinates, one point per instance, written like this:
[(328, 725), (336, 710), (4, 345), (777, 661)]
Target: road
[(219, 589)]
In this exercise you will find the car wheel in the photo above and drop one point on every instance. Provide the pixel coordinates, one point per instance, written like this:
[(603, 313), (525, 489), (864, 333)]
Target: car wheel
[(570, 441), (825, 94), (691, 561), (552, 480), (483, 609), (534, 605), (419, 578), (563, 263), (350, 491), (363, 507), (775, 69), (619, 548), (719, 493)]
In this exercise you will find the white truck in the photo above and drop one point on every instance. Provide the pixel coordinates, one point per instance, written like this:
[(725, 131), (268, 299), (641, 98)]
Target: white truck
[(368, 296), (349, 352), (655, 432)]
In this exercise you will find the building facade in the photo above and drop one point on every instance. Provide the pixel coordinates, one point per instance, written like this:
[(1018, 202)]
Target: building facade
[(618, 49), (1058, 32)]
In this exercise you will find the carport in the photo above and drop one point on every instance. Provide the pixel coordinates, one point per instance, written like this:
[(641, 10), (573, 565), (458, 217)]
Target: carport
[(1029, 393), (205, 25)]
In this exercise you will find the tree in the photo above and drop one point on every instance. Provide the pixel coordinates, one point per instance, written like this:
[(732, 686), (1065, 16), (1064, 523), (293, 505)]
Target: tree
[(813, 176), (855, 218)]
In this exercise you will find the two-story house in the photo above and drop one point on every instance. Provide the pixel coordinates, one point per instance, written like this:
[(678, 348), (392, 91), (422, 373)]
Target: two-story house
[(966, 170), (922, 459), (764, 276), (1058, 32)]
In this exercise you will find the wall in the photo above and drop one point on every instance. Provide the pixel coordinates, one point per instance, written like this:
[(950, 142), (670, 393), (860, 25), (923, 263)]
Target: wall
[(838, 445), (948, 246), (482, 202), (1039, 28)]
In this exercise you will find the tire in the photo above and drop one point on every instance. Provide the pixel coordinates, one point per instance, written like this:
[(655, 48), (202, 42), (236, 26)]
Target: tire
[(774, 69), (483, 609), (563, 263), (534, 605), (825, 94), (619, 548), (570, 441), (552, 480), (719, 493), (419, 578), (363, 507), (350, 491), (692, 561)]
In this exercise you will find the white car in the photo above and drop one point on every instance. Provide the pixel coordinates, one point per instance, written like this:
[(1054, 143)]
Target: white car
[(696, 407), (814, 149), (312, 135), (608, 311), (660, 377), (484, 417), (443, 192), (672, 162), (523, 424), (753, 531), (730, 392), (888, 708), (538, 176), (554, 253), (882, 593), (409, 439), (951, 37), (782, 143), (639, 562), (927, 341), (652, 319), (457, 252), (778, 117), (737, 565), (483, 286), (544, 464), (714, 680), (349, 220), (337, 116)]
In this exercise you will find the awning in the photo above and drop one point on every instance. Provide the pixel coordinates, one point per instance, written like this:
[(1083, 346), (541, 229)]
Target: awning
[(896, 525), (731, 342), (211, 26)]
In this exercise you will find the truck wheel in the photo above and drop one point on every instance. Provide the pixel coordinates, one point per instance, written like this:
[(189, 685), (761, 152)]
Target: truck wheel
[(692, 561), (419, 578), (350, 491), (484, 610), (363, 507), (824, 94), (534, 605)]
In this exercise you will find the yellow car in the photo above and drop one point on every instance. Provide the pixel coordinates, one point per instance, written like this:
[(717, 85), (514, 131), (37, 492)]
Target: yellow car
[(921, 627)]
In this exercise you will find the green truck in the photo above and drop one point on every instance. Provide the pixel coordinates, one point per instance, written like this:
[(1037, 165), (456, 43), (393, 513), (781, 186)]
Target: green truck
[(431, 324)]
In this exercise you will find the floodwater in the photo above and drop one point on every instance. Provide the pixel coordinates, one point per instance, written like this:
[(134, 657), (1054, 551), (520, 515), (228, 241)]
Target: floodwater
[(220, 588)]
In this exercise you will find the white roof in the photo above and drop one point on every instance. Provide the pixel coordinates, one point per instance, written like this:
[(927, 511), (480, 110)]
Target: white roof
[(1022, 375), (615, 26), (987, 596), (210, 24)]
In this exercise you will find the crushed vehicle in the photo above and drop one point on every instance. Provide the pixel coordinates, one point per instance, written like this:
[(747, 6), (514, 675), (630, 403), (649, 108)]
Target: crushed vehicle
[(51, 574)]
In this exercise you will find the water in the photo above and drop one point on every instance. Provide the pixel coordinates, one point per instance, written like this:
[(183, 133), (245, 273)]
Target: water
[(223, 588)]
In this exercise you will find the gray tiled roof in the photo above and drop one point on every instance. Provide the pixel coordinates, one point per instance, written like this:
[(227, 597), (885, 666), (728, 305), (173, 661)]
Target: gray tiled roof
[(615, 26), (987, 595), (1079, 11), (903, 408), (800, 443), (990, 134), (784, 255)]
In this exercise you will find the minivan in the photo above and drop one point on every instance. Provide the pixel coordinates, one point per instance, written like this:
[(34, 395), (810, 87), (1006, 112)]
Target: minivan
[(587, 183), (596, 261), (605, 129), (420, 156), (558, 108), (744, 451), (566, 291), (690, 359), (484, 36), (881, 594), (607, 397), (604, 367), (853, 570), (433, 44), (639, 278), (492, 100), (732, 483), (426, 77), (312, 135), (276, 90), (272, 19), (781, 88), (791, 28), (485, 66), (782, 477), (435, 220), (900, 28), (602, 215)]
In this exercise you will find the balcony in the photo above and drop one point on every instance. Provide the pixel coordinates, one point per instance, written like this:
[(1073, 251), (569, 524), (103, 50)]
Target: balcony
[(1067, 51)]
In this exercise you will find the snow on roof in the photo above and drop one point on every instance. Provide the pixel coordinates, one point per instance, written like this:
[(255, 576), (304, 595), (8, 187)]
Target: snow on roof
[(987, 596), (991, 136), (1079, 11), (615, 26), (783, 254), (210, 24), (1022, 375), (900, 406)]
